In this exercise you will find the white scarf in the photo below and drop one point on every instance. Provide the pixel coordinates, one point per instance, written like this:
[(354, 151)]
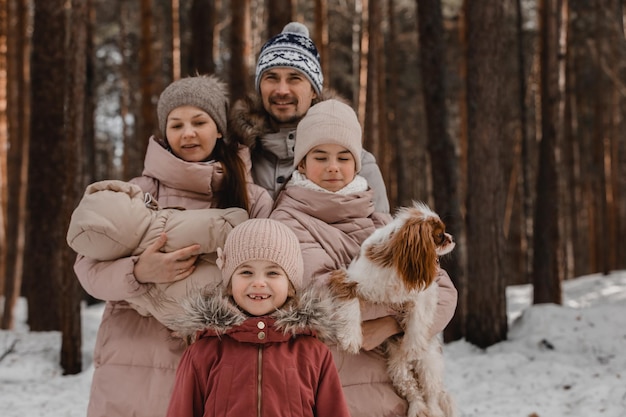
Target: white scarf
[(357, 185)]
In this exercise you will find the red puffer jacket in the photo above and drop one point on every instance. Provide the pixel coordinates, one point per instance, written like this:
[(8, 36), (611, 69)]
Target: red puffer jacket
[(258, 366)]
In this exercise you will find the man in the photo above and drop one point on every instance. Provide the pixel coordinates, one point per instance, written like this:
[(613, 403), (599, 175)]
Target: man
[(288, 82)]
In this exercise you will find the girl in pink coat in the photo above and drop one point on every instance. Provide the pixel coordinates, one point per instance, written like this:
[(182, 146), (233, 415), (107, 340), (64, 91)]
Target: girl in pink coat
[(194, 166), (330, 208), (255, 350)]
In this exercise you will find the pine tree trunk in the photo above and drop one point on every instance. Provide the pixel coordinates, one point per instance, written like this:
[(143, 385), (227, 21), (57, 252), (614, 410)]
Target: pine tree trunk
[(486, 299), (240, 49), (18, 52), (441, 149), (203, 17), (320, 37), (45, 236), (547, 270), (280, 12), (70, 292), (4, 26)]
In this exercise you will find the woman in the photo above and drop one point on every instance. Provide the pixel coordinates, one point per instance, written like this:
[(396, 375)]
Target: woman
[(195, 166)]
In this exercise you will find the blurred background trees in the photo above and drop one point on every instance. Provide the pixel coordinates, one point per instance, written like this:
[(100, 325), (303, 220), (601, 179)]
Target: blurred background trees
[(507, 116)]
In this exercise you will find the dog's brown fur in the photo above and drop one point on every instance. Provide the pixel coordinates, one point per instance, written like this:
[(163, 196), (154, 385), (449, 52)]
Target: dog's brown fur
[(341, 289)]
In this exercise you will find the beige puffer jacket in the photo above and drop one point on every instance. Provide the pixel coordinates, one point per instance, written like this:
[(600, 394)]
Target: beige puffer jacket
[(116, 219), (135, 356), (331, 228)]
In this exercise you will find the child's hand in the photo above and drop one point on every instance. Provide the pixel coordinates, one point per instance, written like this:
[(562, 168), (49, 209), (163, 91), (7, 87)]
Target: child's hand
[(158, 267), (376, 331)]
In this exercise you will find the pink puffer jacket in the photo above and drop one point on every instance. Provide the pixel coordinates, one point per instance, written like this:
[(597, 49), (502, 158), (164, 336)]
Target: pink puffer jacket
[(135, 356), (331, 228)]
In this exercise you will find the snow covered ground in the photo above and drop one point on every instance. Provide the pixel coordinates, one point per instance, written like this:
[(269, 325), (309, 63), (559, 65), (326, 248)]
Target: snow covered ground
[(558, 361)]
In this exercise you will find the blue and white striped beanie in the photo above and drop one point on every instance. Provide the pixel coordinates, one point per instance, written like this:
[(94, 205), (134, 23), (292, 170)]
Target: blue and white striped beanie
[(292, 48)]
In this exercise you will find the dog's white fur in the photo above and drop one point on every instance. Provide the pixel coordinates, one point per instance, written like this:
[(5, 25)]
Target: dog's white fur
[(397, 267)]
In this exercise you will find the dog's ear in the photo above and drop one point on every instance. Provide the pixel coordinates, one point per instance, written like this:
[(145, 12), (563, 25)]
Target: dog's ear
[(418, 256), (410, 251)]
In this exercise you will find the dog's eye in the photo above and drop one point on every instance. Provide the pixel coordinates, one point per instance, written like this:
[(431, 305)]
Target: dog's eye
[(439, 238)]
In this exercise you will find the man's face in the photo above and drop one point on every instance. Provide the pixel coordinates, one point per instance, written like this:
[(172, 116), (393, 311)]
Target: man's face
[(287, 95)]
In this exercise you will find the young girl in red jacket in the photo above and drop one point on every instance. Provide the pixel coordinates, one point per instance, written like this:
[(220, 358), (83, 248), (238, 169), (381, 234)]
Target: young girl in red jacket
[(254, 348)]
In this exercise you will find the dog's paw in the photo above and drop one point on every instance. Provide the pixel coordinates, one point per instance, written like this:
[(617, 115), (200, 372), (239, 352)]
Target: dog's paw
[(418, 409), (347, 320)]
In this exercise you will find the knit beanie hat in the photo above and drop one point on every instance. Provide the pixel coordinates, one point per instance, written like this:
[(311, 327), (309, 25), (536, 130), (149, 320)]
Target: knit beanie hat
[(206, 92), (292, 48), (262, 239), (329, 121)]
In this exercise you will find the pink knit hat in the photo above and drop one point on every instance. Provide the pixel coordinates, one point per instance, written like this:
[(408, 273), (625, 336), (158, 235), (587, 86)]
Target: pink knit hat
[(329, 121), (262, 239)]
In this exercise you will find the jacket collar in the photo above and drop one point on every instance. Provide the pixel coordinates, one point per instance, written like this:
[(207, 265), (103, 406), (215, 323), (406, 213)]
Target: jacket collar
[(249, 122), (212, 313), (197, 177), (173, 172)]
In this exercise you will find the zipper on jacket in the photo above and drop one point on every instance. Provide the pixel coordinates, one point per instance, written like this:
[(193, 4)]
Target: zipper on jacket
[(259, 380)]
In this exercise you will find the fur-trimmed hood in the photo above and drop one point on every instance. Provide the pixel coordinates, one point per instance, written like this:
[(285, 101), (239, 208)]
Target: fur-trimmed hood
[(211, 312), (248, 120)]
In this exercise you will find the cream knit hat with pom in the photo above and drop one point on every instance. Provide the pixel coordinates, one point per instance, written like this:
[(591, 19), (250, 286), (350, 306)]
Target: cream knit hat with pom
[(329, 121), (262, 239)]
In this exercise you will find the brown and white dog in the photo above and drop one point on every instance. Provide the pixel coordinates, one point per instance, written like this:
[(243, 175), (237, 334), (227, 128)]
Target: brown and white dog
[(397, 267)]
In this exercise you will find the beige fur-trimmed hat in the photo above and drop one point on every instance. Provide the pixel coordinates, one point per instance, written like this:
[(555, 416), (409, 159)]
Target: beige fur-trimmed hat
[(329, 121), (206, 92), (262, 239)]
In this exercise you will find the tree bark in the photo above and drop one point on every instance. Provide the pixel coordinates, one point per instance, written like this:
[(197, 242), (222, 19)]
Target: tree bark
[(280, 12), (203, 18), (363, 71), (441, 149), (4, 26), (70, 291), (45, 235), (240, 49), (136, 145), (18, 49), (391, 139), (547, 272), (321, 38), (618, 53), (381, 144), (581, 75), (486, 299), (371, 123), (525, 148)]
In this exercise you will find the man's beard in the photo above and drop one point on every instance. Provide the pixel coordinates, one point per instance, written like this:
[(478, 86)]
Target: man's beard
[(294, 119), (278, 118)]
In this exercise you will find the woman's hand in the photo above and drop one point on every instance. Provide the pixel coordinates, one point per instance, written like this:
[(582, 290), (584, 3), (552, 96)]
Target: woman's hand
[(154, 266), (376, 331)]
